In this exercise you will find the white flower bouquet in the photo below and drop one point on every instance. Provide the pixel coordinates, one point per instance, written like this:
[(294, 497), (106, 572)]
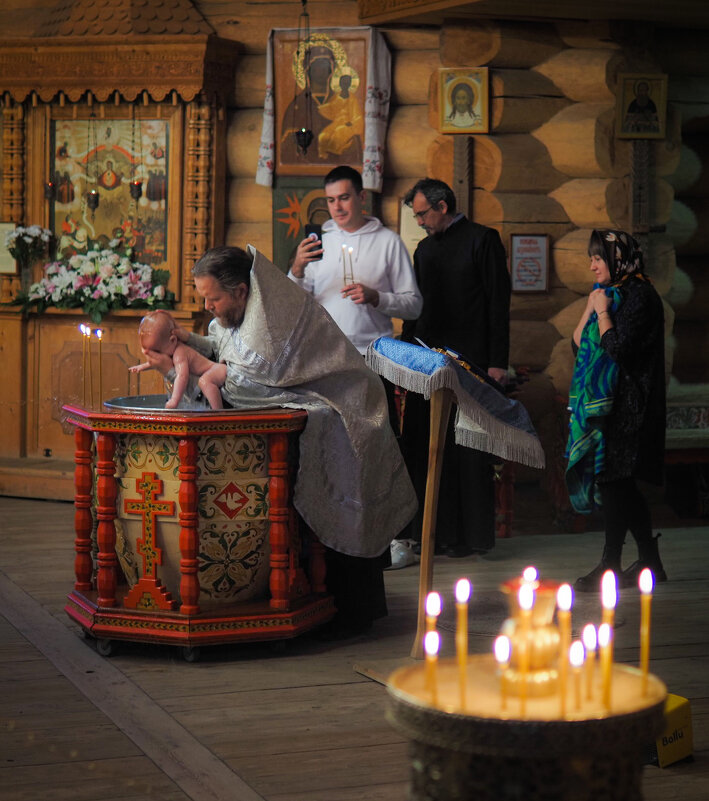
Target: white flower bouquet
[(26, 245), (98, 282)]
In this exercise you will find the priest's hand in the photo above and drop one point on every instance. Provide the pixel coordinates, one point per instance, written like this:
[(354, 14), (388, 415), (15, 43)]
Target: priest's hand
[(499, 374), (359, 293), (158, 361)]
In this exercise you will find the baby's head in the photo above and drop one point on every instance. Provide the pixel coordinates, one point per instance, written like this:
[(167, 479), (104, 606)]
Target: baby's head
[(157, 332)]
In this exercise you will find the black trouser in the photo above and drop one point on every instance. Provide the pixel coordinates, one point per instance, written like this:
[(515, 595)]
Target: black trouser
[(624, 509), (357, 585)]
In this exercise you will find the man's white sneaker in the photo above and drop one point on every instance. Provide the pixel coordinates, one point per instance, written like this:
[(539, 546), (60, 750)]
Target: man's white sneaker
[(402, 554)]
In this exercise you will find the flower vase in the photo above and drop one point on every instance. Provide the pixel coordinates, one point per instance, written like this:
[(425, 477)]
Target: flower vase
[(24, 268)]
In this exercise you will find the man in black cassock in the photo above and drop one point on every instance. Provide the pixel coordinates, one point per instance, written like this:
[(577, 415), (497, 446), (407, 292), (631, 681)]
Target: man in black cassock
[(462, 273)]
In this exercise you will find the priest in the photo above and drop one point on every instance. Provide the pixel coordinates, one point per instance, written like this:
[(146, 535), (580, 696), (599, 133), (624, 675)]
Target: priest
[(281, 348)]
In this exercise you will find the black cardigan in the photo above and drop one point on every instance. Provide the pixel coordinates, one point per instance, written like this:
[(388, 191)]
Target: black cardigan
[(462, 274)]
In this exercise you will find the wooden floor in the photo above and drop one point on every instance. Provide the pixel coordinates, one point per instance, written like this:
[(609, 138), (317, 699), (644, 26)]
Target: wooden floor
[(251, 723)]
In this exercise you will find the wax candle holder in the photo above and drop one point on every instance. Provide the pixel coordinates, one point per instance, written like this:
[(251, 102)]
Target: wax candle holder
[(540, 639)]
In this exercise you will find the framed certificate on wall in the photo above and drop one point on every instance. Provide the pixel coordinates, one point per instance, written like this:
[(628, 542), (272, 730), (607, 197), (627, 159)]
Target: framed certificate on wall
[(529, 262)]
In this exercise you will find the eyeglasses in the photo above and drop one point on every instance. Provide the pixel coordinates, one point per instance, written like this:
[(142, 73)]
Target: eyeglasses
[(421, 214)]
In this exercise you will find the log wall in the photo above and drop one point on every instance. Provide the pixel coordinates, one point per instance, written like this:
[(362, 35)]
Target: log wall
[(551, 162), (688, 225)]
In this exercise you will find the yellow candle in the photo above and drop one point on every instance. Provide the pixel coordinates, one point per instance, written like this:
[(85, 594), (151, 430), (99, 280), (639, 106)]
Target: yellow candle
[(351, 275), (431, 644), (609, 597), (503, 648), (433, 610), (530, 575), (99, 336), (526, 602), (605, 640), (576, 660), (83, 362), (645, 582), (462, 596), (564, 599), (87, 332), (590, 642)]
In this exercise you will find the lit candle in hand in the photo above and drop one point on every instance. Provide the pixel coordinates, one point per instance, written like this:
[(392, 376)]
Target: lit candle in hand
[(605, 644), (503, 650), (344, 265), (564, 599), (462, 596), (350, 277), (525, 599), (645, 582), (431, 644), (590, 642), (433, 610), (576, 659)]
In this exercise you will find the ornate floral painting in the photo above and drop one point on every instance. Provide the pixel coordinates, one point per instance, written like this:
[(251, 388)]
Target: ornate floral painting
[(110, 157)]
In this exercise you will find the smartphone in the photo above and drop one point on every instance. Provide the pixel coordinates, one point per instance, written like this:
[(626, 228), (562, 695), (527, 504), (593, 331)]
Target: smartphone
[(313, 228)]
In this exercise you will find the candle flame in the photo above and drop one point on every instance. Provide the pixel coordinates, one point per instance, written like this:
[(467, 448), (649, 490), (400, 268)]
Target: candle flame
[(503, 648), (431, 643), (609, 590), (350, 250), (526, 597), (604, 635), (530, 574), (433, 604), (81, 327), (564, 597), (646, 580), (589, 637), (576, 654), (98, 332), (462, 591)]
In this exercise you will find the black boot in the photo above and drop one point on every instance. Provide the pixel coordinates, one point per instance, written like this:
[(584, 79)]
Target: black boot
[(648, 556), (591, 582)]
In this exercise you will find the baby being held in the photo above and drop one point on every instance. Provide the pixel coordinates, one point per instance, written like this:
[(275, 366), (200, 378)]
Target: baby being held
[(157, 333)]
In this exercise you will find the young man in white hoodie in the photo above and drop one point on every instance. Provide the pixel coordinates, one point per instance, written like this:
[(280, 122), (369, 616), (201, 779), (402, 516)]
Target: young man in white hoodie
[(360, 271)]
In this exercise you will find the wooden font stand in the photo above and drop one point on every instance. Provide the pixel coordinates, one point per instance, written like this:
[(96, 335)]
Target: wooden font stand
[(297, 599)]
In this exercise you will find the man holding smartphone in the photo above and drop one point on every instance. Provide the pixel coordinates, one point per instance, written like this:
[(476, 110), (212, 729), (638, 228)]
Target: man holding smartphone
[(359, 270)]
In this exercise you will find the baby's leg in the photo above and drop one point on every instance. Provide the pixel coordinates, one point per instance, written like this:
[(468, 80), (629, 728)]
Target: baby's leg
[(210, 382)]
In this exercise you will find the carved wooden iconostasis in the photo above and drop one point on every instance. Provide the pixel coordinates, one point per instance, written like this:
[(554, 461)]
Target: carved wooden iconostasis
[(83, 114)]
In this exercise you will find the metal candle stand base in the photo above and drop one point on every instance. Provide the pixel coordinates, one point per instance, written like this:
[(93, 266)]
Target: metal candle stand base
[(464, 756)]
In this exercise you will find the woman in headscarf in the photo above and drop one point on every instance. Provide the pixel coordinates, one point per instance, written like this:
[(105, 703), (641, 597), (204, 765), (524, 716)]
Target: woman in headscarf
[(617, 403)]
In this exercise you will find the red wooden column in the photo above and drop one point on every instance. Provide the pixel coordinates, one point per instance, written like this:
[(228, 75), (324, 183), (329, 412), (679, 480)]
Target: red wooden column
[(106, 512), (189, 534), (278, 517), (83, 521)]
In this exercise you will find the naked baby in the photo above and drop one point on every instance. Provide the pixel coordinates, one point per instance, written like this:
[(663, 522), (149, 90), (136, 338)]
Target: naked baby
[(157, 333)]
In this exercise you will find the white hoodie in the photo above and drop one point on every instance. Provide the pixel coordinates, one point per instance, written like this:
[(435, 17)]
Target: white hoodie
[(380, 261)]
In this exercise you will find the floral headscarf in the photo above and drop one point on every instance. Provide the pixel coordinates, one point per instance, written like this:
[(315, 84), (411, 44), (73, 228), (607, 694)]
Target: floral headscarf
[(620, 251)]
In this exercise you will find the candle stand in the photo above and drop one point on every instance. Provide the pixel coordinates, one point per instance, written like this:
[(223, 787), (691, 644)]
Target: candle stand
[(488, 754), (185, 529)]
